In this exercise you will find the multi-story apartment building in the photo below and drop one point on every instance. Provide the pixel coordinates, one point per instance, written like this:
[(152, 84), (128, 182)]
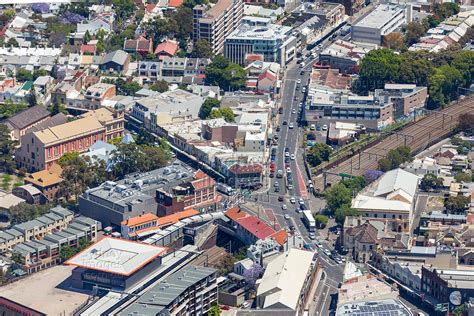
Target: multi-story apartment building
[(374, 112), (385, 19), (259, 36), (214, 22), (189, 291), (42, 149), (199, 193)]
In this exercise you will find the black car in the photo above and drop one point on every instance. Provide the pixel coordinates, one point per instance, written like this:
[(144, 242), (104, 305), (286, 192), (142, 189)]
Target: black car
[(285, 122), (292, 228), (287, 149), (272, 175), (280, 198), (278, 128), (280, 110)]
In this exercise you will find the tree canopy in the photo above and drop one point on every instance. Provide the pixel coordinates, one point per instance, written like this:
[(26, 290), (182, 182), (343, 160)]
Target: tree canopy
[(228, 76), (395, 157), (430, 182), (7, 150), (317, 154), (206, 108)]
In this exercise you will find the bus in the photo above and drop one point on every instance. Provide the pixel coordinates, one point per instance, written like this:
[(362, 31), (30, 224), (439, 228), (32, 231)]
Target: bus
[(309, 221)]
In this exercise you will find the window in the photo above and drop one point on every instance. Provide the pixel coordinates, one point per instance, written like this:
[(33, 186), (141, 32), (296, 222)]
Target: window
[(72, 145), (56, 151)]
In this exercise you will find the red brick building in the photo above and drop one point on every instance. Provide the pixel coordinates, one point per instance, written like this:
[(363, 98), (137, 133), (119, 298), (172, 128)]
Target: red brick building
[(198, 193), (42, 149)]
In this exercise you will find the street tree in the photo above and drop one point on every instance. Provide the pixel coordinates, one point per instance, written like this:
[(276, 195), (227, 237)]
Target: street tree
[(321, 220), (337, 196), (456, 204), (430, 182), (344, 211)]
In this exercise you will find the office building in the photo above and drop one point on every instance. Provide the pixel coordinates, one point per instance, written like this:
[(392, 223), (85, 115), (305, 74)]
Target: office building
[(42, 149), (345, 56), (259, 36), (373, 112), (114, 202), (190, 291), (385, 19), (114, 263), (214, 22), (406, 98)]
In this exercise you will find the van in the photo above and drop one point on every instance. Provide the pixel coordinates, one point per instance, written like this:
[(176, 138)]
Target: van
[(312, 127)]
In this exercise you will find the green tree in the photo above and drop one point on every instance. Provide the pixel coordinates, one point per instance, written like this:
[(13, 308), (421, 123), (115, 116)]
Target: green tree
[(32, 100), (12, 43), (66, 252), (377, 68), (317, 154), (24, 212), (57, 108), (214, 311), (87, 37), (337, 196), (459, 310), (159, 86), (413, 32), (202, 49), (344, 211), (79, 173), (23, 75), (395, 157), (228, 76), (355, 184), (321, 220), (224, 112), (7, 150), (17, 258), (207, 107), (430, 182), (456, 204), (130, 88), (40, 72), (463, 177), (129, 158)]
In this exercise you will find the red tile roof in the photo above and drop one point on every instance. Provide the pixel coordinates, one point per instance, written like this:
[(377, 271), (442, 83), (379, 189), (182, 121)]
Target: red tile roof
[(140, 219), (280, 237), (175, 3), (267, 74), (248, 168), (235, 213), (150, 7), (169, 47), (87, 48), (256, 227)]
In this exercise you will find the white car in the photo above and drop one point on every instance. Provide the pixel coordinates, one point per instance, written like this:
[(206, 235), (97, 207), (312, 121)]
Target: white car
[(291, 125), (292, 157), (287, 217), (284, 207), (301, 201), (298, 81), (293, 111), (287, 154), (292, 200), (327, 252), (325, 127), (312, 236), (290, 187)]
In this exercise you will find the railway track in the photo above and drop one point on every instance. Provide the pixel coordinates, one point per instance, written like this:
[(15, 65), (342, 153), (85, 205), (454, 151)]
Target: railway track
[(417, 136)]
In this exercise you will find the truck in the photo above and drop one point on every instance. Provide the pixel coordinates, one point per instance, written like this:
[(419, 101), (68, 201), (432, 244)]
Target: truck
[(224, 188), (308, 220)]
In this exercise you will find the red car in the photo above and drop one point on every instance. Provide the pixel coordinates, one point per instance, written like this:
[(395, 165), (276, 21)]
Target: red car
[(225, 308)]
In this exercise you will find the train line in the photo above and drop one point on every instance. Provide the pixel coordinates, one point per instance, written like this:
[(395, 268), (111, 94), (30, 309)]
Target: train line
[(418, 136)]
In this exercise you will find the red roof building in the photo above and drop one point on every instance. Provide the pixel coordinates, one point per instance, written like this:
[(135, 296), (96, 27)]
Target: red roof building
[(250, 228), (87, 49), (140, 45), (150, 7), (175, 3), (167, 48)]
